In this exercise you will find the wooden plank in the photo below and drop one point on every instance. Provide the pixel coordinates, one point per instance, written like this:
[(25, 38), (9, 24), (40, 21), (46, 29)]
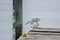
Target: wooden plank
[(45, 30)]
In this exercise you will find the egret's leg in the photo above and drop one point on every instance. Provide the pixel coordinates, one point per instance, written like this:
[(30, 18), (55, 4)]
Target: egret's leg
[(37, 23)]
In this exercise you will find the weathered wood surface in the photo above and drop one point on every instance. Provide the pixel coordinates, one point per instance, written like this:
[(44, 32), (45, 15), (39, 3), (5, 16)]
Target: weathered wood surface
[(45, 30), (38, 35)]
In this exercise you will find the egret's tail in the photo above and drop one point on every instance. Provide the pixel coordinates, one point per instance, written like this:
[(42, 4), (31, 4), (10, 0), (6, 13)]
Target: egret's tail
[(27, 22)]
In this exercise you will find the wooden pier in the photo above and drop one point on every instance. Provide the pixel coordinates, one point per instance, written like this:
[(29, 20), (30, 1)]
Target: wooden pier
[(42, 34)]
